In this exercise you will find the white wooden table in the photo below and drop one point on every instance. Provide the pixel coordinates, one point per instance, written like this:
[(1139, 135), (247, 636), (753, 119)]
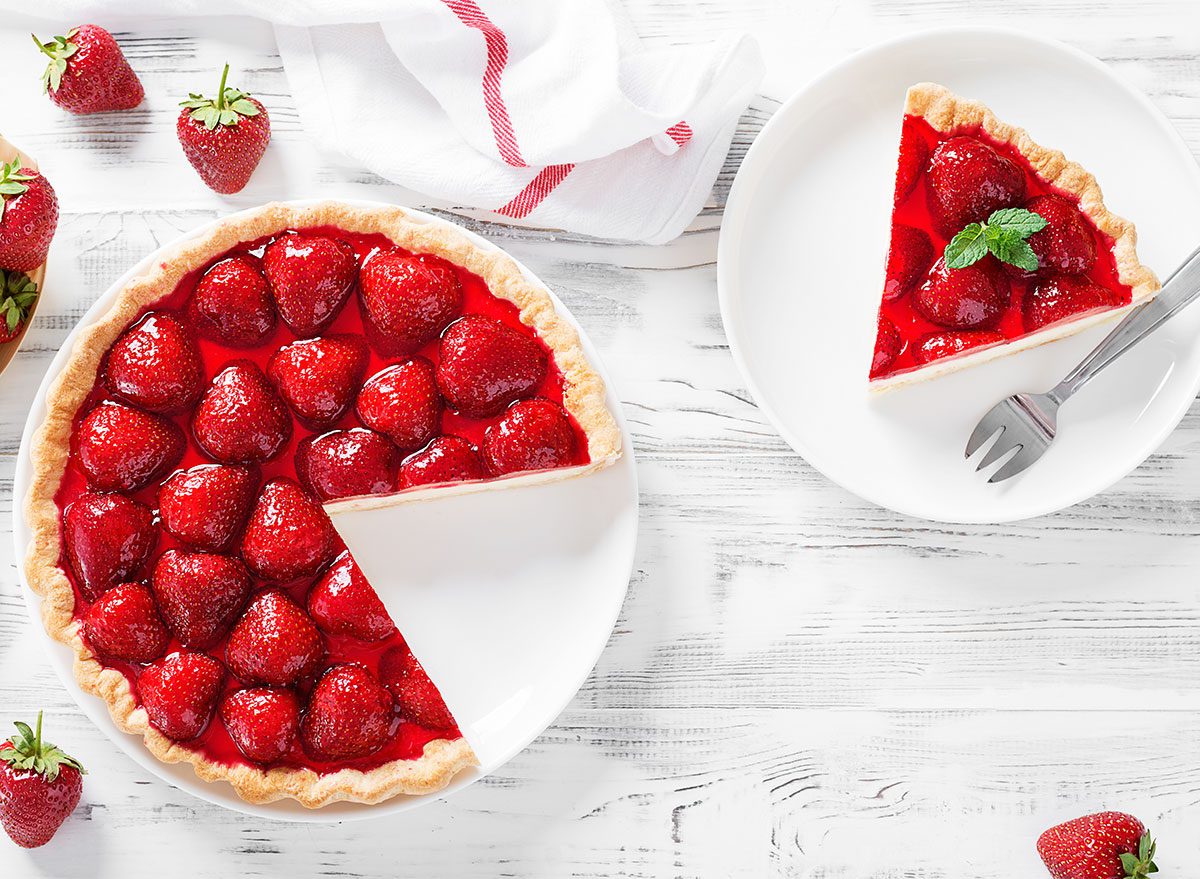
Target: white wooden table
[(800, 684)]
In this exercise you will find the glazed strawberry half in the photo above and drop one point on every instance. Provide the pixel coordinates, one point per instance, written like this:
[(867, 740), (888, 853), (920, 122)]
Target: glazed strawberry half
[(240, 419), (40, 785), (232, 303), (107, 539), (416, 696), (445, 459), (347, 463), (407, 301), (275, 643), (311, 277), (344, 603), (18, 293), (288, 535), (155, 365), (120, 448), (1107, 845), (349, 714), (180, 693), (28, 217), (205, 507), (318, 378), (224, 137), (199, 594), (262, 721), (124, 623), (403, 402), (88, 72), (486, 364)]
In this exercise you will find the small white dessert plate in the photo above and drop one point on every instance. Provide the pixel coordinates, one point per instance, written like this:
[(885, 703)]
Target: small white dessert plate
[(509, 632), (801, 265)]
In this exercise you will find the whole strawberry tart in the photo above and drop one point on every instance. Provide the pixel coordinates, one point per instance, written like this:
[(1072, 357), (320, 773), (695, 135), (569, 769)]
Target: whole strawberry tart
[(286, 359)]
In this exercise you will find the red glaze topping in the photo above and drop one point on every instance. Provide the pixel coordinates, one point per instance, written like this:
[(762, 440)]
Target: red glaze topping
[(929, 312), (290, 650)]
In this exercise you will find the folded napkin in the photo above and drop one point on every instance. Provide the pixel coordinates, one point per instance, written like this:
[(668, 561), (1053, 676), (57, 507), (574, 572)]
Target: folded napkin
[(552, 112)]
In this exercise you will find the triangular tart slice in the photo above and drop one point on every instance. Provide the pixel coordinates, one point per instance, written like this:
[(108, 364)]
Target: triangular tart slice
[(289, 358), (1034, 254)]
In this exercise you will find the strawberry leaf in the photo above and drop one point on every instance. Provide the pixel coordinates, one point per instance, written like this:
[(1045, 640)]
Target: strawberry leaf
[(30, 751), (226, 109), (17, 295), (58, 50), (967, 247)]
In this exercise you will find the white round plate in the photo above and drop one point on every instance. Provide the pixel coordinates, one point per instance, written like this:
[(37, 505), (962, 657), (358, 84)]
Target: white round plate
[(566, 596), (801, 265)]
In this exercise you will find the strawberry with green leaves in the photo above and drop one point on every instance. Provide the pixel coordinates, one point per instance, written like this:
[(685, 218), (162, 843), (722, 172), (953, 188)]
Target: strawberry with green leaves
[(1107, 845), (39, 786), (28, 217), (224, 137), (88, 72), (17, 295)]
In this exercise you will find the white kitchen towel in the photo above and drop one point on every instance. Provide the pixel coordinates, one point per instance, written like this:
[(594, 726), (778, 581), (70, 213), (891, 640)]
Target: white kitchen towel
[(552, 112)]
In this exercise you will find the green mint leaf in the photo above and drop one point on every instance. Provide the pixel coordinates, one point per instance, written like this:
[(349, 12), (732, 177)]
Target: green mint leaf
[(967, 247), (1017, 220), (1014, 250)]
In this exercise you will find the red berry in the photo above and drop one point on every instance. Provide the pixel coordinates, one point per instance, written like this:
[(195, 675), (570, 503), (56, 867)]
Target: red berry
[(318, 378), (180, 692), (206, 506), (406, 301), (1092, 847), (344, 603), (108, 538), (1062, 297), (240, 419), (968, 180), (224, 137), (935, 346), (402, 401), (485, 365), (914, 157), (28, 217), (349, 715), (124, 623), (311, 277), (532, 435), (288, 536), (262, 722), (347, 463), (417, 698), (155, 365), (232, 303), (123, 449), (274, 643), (970, 298), (88, 72), (909, 259), (39, 786), (887, 347), (199, 594), (446, 459), (1066, 243)]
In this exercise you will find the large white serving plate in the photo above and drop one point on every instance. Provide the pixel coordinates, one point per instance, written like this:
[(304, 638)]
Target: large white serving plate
[(528, 580), (801, 264)]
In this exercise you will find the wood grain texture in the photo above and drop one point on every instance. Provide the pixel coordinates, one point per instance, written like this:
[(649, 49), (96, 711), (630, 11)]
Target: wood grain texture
[(800, 683)]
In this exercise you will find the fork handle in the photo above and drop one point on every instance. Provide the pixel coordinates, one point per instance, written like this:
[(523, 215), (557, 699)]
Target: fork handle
[(1182, 288)]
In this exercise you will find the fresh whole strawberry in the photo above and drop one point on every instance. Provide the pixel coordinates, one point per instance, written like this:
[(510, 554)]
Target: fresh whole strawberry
[(240, 419), (318, 378), (124, 624), (417, 698), (485, 365), (914, 157), (205, 507), (288, 536), (180, 693), (88, 72), (120, 448), (968, 181), (28, 217), (232, 303), (18, 293), (274, 643), (344, 603), (936, 346), (1062, 297), (224, 137), (39, 786), (1066, 243), (1108, 845), (108, 538), (887, 347), (263, 722), (403, 402), (349, 715), (446, 459), (406, 301), (311, 277), (970, 298), (533, 435), (155, 365), (909, 259), (347, 463), (199, 594)]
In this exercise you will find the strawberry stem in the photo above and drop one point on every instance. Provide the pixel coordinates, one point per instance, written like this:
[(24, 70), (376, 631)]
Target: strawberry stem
[(221, 88), (41, 48)]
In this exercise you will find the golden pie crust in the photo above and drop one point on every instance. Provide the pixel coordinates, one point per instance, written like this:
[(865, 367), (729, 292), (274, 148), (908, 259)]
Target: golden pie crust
[(584, 394), (947, 112)]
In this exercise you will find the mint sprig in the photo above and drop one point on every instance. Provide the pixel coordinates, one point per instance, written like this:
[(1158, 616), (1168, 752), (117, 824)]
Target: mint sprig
[(1003, 235)]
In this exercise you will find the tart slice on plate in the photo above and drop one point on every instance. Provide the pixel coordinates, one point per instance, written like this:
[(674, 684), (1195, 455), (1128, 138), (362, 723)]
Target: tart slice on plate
[(997, 245), (286, 359)]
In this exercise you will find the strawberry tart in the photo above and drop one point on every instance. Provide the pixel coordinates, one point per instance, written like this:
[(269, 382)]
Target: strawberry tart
[(998, 244), (286, 359)]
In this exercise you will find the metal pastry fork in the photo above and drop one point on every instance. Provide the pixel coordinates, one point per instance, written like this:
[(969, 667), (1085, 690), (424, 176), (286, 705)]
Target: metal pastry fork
[(1028, 422)]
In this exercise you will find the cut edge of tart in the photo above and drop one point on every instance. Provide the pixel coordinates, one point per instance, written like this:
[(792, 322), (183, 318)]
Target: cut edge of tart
[(948, 114), (583, 396)]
